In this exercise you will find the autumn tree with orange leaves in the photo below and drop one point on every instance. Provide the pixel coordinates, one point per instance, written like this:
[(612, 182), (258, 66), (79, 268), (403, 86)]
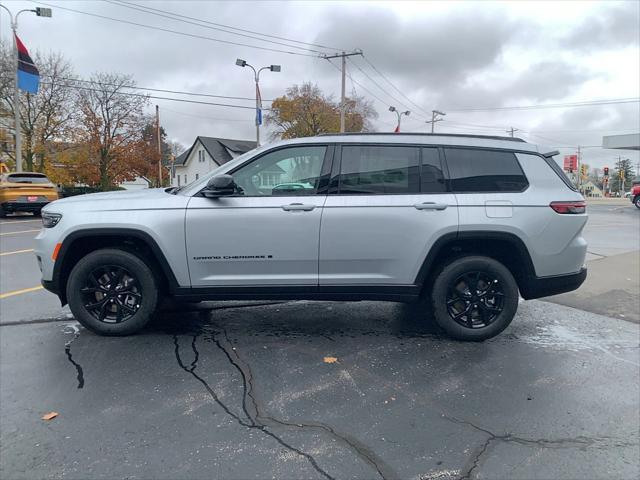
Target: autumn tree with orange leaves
[(110, 132)]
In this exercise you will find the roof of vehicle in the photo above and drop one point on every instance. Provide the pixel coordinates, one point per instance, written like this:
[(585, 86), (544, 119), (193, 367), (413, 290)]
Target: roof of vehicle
[(486, 141)]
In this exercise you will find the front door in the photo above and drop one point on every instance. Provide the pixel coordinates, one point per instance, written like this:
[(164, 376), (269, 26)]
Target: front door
[(388, 207), (268, 232)]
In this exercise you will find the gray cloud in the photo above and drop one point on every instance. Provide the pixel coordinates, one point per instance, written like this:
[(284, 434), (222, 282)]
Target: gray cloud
[(617, 25)]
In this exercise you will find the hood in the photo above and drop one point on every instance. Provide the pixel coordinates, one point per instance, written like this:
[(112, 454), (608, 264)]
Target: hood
[(147, 198)]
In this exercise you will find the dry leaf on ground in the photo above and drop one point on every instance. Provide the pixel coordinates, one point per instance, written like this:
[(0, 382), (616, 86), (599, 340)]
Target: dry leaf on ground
[(50, 416), (330, 360)]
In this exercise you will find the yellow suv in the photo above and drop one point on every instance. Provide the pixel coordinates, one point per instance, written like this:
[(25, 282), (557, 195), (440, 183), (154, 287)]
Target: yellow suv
[(25, 192)]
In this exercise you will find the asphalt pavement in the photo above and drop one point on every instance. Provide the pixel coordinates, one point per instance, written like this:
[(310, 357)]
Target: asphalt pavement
[(253, 390)]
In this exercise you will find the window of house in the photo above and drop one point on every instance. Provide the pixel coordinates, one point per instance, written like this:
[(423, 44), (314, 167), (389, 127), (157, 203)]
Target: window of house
[(379, 169), (288, 171), (185, 178), (473, 170), (197, 176), (178, 180), (431, 176)]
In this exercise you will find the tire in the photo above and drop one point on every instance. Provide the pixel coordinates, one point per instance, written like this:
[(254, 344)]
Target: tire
[(480, 315), (636, 201), (119, 288), (2, 212)]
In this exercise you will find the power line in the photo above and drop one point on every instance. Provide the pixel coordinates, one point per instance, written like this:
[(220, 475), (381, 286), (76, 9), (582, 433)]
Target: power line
[(175, 17), (130, 94), (398, 102), (394, 87), (234, 28), (357, 83), (586, 103), (176, 32)]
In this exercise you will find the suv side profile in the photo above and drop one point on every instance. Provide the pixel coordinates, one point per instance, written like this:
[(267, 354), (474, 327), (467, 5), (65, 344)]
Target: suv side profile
[(462, 225)]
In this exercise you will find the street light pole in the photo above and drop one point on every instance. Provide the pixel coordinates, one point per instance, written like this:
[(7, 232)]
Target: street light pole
[(399, 115), (40, 12), (256, 77)]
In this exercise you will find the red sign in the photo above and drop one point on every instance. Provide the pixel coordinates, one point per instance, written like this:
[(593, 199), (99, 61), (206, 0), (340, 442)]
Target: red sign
[(570, 163)]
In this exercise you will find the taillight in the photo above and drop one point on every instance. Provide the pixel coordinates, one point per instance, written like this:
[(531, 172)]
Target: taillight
[(570, 208)]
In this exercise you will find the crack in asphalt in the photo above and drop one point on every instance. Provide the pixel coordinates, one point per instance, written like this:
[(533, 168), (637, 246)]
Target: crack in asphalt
[(67, 351), (250, 422), (559, 443), (361, 450)]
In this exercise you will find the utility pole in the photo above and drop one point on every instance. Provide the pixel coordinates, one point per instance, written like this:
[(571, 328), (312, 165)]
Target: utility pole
[(159, 146), (512, 130), (434, 118), (579, 171), (40, 12), (343, 106)]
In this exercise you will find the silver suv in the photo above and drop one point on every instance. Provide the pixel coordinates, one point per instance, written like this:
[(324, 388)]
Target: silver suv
[(461, 224)]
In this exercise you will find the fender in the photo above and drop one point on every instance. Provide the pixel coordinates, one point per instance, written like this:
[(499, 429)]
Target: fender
[(56, 286)]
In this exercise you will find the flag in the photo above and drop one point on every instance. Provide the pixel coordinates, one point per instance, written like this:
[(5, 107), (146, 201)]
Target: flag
[(258, 106), (28, 75)]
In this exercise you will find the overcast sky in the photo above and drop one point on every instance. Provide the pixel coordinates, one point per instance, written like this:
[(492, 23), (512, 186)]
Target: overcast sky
[(451, 56)]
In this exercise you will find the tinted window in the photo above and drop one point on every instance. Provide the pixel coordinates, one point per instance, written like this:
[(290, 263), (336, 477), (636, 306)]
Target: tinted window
[(431, 177), (473, 170), (289, 171), (377, 169)]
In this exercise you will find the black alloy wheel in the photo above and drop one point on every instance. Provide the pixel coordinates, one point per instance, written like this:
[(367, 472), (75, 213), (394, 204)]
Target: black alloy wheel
[(111, 294), (475, 299)]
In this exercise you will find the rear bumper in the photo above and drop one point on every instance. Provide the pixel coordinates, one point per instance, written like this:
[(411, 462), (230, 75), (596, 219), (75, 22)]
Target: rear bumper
[(538, 287), (23, 206)]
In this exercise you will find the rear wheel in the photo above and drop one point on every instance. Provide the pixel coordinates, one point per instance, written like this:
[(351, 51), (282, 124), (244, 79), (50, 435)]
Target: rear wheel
[(474, 298), (112, 292), (2, 212)]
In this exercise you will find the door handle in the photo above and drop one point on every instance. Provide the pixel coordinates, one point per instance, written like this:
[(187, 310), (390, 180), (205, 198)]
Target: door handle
[(298, 207), (430, 206)]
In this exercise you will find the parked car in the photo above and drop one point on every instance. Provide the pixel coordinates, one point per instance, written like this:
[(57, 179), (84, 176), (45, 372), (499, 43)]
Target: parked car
[(25, 192), (635, 195), (461, 225)]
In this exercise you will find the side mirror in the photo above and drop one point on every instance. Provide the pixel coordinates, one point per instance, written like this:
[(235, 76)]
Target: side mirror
[(220, 186)]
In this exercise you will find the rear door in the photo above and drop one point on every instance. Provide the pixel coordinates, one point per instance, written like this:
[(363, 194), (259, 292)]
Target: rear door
[(387, 205)]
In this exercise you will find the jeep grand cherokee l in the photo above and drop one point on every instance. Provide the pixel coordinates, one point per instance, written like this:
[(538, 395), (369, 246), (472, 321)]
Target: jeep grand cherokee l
[(462, 225)]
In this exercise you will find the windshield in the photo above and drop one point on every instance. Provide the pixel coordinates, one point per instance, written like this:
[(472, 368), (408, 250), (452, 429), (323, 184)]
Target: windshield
[(27, 178)]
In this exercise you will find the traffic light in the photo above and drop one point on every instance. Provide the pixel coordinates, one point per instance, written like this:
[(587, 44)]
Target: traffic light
[(583, 170), (622, 174), (606, 171)]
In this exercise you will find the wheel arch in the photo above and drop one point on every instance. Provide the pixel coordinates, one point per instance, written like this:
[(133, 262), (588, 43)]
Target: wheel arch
[(507, 248), (81, 242)]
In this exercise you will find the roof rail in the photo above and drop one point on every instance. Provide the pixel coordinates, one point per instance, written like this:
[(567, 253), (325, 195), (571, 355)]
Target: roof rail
[(463, 135)]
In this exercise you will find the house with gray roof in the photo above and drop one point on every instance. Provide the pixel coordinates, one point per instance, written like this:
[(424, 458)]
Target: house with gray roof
[(206, 154)]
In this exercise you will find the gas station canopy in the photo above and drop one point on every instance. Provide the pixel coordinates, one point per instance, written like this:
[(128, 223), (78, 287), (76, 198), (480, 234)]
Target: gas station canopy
[(629, 141)]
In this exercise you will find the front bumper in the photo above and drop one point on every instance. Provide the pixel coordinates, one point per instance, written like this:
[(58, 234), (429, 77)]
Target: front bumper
[(537, 287)]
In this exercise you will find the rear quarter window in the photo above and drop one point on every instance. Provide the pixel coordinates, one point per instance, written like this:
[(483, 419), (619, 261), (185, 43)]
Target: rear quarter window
[(475, 170)]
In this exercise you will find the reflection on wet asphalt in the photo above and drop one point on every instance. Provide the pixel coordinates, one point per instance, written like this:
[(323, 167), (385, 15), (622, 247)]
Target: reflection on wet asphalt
[(240, 390)]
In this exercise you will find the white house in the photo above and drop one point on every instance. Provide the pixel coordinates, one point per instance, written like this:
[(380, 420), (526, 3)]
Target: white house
[(206, 154)]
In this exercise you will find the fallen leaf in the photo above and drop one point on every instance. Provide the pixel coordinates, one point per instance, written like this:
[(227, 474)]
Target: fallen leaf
[(50, 416), (330, 360)]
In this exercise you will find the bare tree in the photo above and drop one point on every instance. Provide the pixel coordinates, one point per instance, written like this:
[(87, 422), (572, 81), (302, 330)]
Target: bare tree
[(43, 116)]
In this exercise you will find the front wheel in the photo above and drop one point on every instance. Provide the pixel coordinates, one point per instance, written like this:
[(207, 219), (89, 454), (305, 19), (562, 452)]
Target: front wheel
[(474, 298), (112, 292)]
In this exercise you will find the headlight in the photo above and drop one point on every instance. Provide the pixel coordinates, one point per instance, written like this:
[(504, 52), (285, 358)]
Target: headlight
[(50, 220)]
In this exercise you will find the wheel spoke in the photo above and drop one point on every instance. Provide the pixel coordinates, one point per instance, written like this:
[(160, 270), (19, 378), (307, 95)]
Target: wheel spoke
[(103, 311), (91, 306), (118, 312), (126, 307)]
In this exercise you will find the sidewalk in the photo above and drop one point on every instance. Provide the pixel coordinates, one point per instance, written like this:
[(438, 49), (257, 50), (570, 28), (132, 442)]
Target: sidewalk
[(612, 288)]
